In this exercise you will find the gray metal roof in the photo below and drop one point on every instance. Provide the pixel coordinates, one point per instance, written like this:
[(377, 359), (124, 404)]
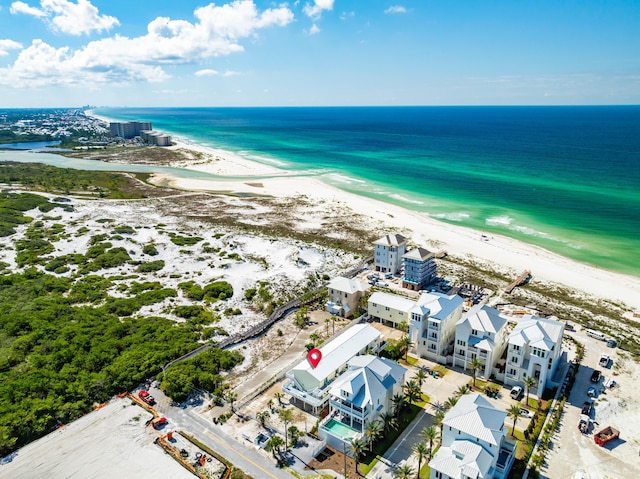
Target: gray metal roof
[(484, 318), (477, 417), (537, 332)]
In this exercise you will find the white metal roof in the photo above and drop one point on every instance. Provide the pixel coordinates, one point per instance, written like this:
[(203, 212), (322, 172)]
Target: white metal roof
[(463, 459), (537, 332), (476, 416), (419, 254), (393, 301), (347, 285), (337, 352), (440, 305), (484, 318)]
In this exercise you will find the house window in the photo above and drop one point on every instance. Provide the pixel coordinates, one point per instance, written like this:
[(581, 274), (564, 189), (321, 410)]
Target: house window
[(515, 347), (461, 342), (386, 308), (374, 305), (461, 352), (432, 347), (434, 324), (434, 335), (514, 359), (512, 372), (345, 295), (474, 332)]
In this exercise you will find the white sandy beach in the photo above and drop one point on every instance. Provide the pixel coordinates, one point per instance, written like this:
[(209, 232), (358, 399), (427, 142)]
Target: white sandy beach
[(421, 229)]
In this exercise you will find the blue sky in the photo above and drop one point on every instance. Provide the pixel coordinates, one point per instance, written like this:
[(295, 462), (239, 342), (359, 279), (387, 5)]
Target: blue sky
[(318, 52)]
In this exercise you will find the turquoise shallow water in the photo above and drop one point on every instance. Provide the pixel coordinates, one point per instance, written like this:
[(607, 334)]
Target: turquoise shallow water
[(564, 178)]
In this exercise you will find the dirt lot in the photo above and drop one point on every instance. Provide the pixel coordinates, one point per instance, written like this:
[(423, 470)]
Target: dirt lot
[(619, 407), (107, 443)]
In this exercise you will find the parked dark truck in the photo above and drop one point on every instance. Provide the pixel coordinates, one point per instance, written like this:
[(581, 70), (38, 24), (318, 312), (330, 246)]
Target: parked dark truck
[(604, 436)]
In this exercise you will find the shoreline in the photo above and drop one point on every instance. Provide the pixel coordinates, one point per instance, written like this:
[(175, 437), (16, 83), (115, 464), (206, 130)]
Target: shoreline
[(422, 230)]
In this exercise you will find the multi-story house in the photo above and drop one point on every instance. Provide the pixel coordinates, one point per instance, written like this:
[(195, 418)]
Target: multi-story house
[(432, 325), (388, 252), (431, 319), (534, 350), (358, 397), (345, 295), (420, 269), (481, 334), (309, 386), (474, 442)]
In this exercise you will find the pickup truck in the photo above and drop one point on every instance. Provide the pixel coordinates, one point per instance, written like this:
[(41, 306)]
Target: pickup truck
[(605, 435), (604, 360), (595, 376), (586, 408), (146, 397)]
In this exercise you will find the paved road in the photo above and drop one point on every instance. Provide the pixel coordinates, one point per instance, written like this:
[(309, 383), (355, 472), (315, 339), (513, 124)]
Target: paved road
[(187, 419)]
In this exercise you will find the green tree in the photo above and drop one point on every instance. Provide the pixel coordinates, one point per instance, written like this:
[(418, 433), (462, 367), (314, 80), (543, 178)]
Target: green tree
[(314, 337), (231, 397), (403, 472), (403, 326), (438, 420), (420, 376), (515, 411), (462, 390), (406, 343), (357, 449), (450, 402), (475, 364), (430, 434), (279, 397), (421, 450), (372, 431), (389, 421), (274, 445), (286, 416), (412, 391), (529, 383), (398, 401), (263, 417)]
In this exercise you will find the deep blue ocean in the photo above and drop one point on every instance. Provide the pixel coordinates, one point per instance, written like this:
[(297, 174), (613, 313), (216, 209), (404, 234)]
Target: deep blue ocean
[(564, 178)]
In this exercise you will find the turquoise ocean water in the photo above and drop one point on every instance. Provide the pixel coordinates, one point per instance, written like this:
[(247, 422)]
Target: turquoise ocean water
[(564, 178)]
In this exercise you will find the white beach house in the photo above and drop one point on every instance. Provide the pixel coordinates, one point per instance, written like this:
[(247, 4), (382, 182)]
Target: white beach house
[(474, 442), (358, 397), (388, 252), (481, 334), (534, 350), (309, 386), (344, 296), (431, 318)]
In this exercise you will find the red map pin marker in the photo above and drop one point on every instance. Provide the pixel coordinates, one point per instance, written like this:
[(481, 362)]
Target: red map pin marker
[(314, 356)]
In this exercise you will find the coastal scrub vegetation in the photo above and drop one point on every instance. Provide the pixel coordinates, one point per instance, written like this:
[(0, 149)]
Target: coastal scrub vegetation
[(66, 346)]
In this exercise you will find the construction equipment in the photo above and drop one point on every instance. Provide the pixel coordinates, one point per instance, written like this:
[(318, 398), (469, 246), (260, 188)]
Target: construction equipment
[(146, 397)]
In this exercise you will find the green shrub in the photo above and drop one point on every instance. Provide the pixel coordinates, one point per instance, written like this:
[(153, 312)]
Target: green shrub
[(123, 230), (150, 250), (151, 266)]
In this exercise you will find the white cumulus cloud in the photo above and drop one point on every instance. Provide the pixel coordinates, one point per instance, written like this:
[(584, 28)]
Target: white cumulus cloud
[(396, 9), (6, 45), (207, 72), (315, 9), (119, 59), (68, 17), (314, 29)]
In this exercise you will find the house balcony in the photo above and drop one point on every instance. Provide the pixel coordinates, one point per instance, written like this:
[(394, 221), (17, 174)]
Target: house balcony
[(315, 398), (349, 409), (506, 457)]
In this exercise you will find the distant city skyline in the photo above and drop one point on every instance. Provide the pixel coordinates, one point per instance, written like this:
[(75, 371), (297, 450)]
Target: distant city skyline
[(62, 53)]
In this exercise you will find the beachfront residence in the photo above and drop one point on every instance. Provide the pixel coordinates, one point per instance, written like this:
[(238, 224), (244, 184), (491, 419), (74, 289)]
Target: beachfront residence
[(309, 386), (431, 318), (388, 252), (474, 442), (358, 397), (481, 334), (344, 296), (534, 350), (419, 269)]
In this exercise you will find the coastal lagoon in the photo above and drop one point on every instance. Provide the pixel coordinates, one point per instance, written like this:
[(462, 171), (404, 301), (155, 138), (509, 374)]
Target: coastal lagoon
[(564, 178)]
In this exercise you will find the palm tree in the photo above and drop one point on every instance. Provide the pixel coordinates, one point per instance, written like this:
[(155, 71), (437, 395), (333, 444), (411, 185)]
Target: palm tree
[(398, 403), (412, 391), (462, 390), (274, 444), (326, 326), (429, 434), (231, 398), (475, 364), (388, 421), (357, 449), (286, 415), (404, 472), (420, 376), (279, 397), (530, 382), (262, 418), (438, 420), (421, 450), (406, 343), (270, 404), (403, 326), (515, 411), (450, 402), (372, 431), (333, 324), (314, 337)]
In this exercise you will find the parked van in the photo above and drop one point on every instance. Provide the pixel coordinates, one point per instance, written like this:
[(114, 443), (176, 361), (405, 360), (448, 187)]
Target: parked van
[(596, 334)]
